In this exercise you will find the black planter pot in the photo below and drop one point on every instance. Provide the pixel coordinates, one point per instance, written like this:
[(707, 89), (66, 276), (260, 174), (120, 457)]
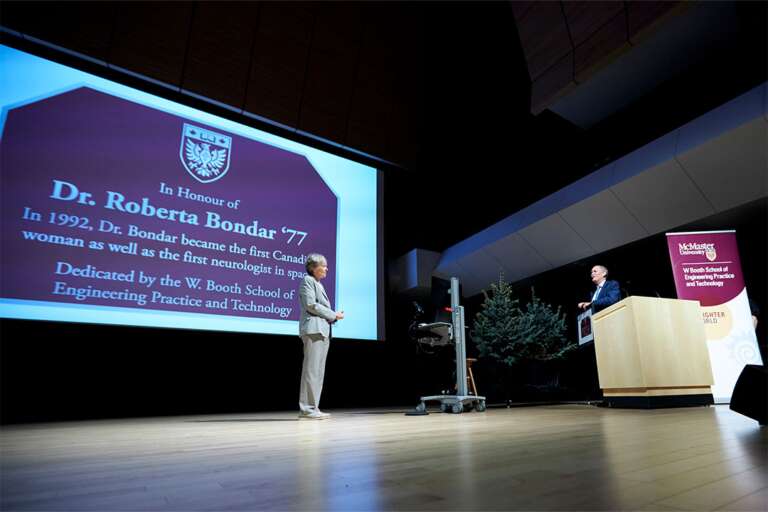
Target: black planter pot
[(527, 381), (542, 381)]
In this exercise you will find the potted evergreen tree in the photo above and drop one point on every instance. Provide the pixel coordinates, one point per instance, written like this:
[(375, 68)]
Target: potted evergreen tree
[(508, 335)]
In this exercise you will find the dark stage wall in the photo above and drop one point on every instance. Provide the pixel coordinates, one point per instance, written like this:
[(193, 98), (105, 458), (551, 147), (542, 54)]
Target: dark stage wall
[(63, 371), (54, 371)]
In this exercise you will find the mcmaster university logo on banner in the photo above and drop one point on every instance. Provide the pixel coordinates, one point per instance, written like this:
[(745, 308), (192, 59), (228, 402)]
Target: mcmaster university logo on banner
[(205, 154)]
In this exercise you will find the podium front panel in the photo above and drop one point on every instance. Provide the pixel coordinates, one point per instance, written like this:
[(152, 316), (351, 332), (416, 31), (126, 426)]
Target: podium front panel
[(618, 355), (653, 349)]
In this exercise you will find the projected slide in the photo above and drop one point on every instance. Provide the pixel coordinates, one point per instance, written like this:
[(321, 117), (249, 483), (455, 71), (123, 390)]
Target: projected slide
[(120, 207)]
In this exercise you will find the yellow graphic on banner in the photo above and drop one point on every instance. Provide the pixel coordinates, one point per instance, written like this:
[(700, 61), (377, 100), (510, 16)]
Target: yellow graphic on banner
[(718, 321)]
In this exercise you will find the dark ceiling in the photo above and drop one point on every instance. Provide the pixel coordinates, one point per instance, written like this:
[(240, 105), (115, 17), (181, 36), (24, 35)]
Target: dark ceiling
[(483, 154), (440, 88)]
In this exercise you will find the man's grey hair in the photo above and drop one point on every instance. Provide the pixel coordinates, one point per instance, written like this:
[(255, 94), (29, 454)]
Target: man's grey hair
[(605, 269), (313, 260)]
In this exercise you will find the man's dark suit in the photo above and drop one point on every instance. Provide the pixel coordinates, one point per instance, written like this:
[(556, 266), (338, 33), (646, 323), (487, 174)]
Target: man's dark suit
[(609, 294)]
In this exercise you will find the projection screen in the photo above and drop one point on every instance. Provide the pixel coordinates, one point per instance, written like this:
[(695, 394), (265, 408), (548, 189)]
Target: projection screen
[(120, 207)]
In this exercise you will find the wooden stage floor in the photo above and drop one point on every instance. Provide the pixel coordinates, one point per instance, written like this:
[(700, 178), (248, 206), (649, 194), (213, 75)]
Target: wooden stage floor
[(566, 457)]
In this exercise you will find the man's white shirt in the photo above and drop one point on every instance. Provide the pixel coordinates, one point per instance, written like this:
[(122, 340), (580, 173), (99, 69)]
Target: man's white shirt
[(597, 292)]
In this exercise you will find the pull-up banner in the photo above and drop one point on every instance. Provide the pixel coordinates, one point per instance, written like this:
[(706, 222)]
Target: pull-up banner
[(707, 268)]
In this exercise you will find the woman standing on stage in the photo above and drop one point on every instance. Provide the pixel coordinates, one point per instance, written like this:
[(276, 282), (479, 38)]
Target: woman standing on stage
[(315, 332)]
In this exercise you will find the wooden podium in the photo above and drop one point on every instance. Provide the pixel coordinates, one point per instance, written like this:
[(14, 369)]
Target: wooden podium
[(652, 353)]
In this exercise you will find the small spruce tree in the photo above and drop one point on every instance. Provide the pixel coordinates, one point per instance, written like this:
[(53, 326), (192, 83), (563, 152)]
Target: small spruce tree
[(496, 326), (542, 331), (508, 334)]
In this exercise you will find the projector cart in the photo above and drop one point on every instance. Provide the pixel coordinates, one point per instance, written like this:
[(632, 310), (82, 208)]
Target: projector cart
[(461, 401)]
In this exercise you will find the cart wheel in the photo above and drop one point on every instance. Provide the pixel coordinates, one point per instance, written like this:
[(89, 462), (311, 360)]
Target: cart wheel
[(421, 407), (480, 407), (444, 407), (457, 408)]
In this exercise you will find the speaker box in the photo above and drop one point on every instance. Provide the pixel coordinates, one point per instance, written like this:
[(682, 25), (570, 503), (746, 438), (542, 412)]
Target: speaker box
[(750, 395)]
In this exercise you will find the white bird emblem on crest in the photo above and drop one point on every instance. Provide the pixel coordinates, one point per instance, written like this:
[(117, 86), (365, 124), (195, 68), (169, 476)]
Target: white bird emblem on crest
[(204, 153), (203, 160)]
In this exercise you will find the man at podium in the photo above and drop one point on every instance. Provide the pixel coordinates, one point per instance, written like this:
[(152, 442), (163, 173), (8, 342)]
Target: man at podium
[(606, 292)]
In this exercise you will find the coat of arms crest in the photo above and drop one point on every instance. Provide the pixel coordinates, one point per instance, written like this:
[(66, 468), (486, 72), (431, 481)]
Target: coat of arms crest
[(205, 154)]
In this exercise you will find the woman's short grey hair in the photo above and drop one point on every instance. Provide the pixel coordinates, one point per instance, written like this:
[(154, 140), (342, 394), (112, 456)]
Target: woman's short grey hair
[(313, 260)]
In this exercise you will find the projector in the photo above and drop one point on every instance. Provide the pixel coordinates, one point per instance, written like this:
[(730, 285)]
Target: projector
[(435, 334)]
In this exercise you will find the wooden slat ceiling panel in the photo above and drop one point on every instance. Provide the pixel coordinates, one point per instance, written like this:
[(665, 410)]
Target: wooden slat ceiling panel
[(642, 16), (348, 72), (290, 21), (544, 37), (555, 81), (372, 102), (326, 99), (220, 50), (151, 39), (608, 41), (521, 8), (339, 26), (595, 32), (278, 70), (586, 18), (84, 27), (388, 80), (331, 71), (402, 135)]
